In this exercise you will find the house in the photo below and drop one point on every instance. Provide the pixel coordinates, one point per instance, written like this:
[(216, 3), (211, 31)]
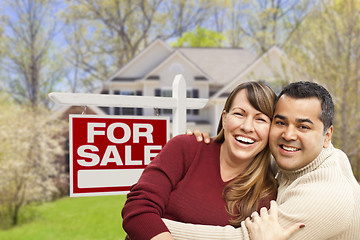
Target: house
[(210, 73)]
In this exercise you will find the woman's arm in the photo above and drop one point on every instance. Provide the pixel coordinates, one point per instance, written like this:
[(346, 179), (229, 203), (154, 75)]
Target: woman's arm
[(147, 199)]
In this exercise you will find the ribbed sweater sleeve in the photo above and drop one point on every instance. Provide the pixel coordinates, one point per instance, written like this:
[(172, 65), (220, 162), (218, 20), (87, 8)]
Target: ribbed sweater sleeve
[(148, 198), (324, 206), (188, 231), (324, 195)]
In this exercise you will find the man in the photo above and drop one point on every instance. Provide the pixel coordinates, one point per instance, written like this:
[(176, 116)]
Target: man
[(316, 183)]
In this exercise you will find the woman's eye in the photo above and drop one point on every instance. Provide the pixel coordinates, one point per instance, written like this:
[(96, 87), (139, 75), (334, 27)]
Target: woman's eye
[(261, 119)]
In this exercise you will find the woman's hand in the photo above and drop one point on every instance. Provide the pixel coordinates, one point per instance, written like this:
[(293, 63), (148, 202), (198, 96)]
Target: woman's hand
[(199, 136), (267, 227)]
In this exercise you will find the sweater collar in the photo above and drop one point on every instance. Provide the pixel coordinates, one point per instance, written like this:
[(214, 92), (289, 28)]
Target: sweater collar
[(313, 165)]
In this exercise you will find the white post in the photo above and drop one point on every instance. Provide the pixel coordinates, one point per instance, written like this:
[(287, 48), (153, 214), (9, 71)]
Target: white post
[(179, 112), (179, 103)]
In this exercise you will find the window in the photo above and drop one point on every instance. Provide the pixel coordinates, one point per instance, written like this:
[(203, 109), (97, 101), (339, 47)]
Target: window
[(166, 93), (194, 93), (127, 110)]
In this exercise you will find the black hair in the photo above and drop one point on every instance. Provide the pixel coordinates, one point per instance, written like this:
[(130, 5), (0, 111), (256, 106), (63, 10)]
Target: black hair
[(310, 89)]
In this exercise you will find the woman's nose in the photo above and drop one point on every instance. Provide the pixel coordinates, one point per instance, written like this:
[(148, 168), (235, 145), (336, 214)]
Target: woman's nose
[(247, 125)]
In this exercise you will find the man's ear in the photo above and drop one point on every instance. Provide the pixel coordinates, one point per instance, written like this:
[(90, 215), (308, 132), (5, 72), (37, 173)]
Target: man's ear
[(328, 136)]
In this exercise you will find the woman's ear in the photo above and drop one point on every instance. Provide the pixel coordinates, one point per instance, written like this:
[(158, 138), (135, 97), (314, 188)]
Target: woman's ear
[(223, 118)]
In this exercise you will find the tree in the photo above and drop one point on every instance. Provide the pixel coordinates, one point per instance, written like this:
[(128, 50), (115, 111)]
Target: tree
[(30, 143), (104, 35), (31, 67), (327, 50), (260, 24), (201, 37), (180, 16)]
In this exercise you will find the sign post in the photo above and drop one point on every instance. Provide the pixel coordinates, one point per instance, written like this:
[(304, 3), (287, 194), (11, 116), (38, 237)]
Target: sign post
[(109, 153), (179, 103)]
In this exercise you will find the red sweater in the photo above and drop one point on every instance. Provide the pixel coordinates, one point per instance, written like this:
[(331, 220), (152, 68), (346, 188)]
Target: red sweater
[(182, 183)]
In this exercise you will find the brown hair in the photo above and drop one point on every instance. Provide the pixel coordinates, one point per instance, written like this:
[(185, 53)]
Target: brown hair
[(243, 194)]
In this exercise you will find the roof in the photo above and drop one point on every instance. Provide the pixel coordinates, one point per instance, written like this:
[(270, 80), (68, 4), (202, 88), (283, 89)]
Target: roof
[(175, 54), (230, 85), (221, 64), (163, 51)]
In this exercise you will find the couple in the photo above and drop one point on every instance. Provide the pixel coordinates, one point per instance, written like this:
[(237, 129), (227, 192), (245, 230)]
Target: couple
[(316, 186)]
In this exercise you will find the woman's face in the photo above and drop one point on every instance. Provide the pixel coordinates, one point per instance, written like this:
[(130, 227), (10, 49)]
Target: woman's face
[(246, 130)]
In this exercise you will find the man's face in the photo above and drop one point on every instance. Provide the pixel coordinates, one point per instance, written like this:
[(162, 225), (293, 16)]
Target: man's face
[(297, 133)]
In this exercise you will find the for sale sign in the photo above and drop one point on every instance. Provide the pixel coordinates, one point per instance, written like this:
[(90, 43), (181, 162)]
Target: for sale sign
[(109, 153)]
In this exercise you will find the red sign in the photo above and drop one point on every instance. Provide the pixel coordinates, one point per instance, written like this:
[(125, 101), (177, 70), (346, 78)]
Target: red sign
[(109, 153)]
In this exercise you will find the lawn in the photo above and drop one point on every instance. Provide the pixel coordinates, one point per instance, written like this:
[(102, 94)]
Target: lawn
[(84, 218)]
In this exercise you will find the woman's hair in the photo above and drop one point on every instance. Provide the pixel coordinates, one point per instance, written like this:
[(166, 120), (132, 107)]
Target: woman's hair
[(243, 194)]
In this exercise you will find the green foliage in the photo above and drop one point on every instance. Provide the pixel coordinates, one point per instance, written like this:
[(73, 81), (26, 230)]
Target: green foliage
[(201, 37), (86, 218), (326, 49)]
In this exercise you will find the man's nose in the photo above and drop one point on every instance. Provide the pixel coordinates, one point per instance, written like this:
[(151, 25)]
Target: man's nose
[(289, 133)]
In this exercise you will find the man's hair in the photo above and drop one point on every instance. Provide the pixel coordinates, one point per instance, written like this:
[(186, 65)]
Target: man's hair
[(300, 90)]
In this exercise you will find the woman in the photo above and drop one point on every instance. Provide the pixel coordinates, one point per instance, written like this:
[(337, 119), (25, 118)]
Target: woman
[(216, 184)]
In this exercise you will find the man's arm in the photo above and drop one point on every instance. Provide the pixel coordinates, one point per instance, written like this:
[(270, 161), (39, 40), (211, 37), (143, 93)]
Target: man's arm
[(200, 136), (188, 231), (163, 236), (325, 208), (261, 227), (325, 214), (266, 225)]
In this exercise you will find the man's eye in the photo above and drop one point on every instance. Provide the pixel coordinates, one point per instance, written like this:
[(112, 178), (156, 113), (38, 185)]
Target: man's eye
[(280, 123), (304, 127)]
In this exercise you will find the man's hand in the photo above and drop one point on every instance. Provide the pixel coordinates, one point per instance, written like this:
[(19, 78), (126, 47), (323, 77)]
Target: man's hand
[(163, 236), (199, 136), (267, 227)]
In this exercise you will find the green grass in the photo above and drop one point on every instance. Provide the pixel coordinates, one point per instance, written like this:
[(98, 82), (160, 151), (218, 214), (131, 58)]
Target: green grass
[(84, 218)]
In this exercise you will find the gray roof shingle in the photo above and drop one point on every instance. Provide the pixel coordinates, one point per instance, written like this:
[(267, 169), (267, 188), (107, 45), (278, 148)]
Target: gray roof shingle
[(221, 64)]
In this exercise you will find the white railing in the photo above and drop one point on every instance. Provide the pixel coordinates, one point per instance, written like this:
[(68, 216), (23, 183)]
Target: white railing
[(178, 102)]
